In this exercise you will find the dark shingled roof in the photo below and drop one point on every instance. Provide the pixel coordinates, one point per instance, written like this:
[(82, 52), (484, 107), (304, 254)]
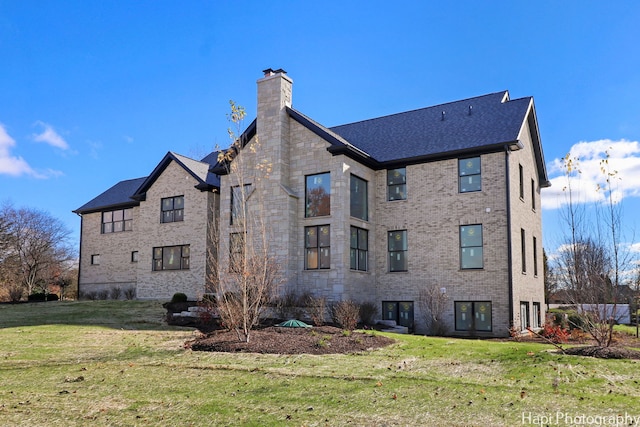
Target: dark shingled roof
[(118, 196), (474, 123), (130, 192)]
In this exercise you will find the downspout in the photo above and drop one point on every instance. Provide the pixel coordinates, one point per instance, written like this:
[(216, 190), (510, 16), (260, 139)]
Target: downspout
[(509, 246)]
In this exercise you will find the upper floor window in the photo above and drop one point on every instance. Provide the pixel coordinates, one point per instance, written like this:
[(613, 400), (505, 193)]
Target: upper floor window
[(535, 256), (173, 209), (471, 256), (239, 195), (359, 198), (116, 221), (533, 194), (521, 177), (397, 184), (469, 176), (397, 244), (523, 250), (317, 244), (317, 195), (359, 248), (171, 258)]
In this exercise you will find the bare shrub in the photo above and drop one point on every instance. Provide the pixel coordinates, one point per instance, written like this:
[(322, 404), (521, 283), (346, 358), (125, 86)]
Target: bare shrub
[(345, 314), (288, 305), (433, 302), (130, 293), (102, 295), (316, 308), (368, 312), (90, 295), (115, 293)]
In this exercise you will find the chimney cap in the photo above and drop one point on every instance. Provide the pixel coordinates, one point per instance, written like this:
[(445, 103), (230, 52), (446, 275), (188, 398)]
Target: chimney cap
[(270, 72)]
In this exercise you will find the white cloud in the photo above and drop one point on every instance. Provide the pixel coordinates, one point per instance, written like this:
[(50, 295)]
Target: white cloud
[(50, 136), (588, 185), (11, 165)]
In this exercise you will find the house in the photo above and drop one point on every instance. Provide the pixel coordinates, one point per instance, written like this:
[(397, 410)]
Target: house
[(374, 211)]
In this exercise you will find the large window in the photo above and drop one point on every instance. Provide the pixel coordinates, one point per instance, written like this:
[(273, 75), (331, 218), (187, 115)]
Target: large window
[(397, 244), (469, 176), (172, 209), (317, 243), (523, 250), (473, 316), (236, 252), (239, 196), (399, 311), (171, 258), (358, 197), (318, 195), (397, 184), (118, 220), (359, 248), (471, 256)]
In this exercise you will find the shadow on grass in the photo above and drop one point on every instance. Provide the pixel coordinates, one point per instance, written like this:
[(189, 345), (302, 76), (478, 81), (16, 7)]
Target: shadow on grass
[(132, 315)]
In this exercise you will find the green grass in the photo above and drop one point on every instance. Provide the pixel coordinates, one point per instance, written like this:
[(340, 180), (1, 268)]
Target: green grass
[(108, 363)]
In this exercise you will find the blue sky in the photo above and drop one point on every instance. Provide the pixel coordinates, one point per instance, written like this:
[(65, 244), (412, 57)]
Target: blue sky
[(94, 92)]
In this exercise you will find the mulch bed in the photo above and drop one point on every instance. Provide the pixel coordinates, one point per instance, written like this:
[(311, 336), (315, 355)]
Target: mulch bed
[(604, 352), (280, 340)]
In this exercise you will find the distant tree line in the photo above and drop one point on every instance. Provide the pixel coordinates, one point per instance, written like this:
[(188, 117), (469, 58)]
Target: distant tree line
[(36, 256)]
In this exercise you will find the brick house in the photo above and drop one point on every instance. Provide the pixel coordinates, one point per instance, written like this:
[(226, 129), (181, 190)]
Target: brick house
[(445, 196)]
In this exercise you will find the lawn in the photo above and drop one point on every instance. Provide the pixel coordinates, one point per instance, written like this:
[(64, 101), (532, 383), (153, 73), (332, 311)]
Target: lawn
[(106, 363)]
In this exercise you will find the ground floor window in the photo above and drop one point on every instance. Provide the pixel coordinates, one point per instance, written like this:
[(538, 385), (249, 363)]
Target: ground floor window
[(317, 243), (473, 316), (171, 258), (524, 315), (359, 248), (95, 259), (536, 315), (399, 311)]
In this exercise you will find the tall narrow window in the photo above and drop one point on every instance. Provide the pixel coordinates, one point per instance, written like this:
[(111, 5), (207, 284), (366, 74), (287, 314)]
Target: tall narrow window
[(397, 243), (134, 256), (239, 195), (471, 249), (397, 184), (473, 316), (524, 315), (533, 194), (523, 250), (521, 182), (236, 252), (359, 248), (172, 209), (318, 195), (536, 315), (317, 247), (535, 256), (469, 176), (171, 258), (358, 198)]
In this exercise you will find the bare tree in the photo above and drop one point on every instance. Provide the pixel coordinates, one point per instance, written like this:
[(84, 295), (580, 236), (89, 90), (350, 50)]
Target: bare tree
[(433, 302), (245, 282), (38, 250)]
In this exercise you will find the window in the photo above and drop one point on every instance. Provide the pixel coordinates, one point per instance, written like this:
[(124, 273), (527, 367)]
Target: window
[(521, 182), (95, 259), (469, 177), (536, 315), (118, 220), (473, 316), (399, 311), (533, 194), (317, 245), (524, 315), (397, 250), (171, 258), (535, 256), (134, 256), (239, 195), (173, 209), (397, 184), (359, 248), (358, 198), (523, 250), (318, 195), (236, 252), (471, 256)]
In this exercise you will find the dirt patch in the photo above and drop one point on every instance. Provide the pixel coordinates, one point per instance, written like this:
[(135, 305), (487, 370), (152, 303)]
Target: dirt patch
[(604, 352), (279, 340)]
